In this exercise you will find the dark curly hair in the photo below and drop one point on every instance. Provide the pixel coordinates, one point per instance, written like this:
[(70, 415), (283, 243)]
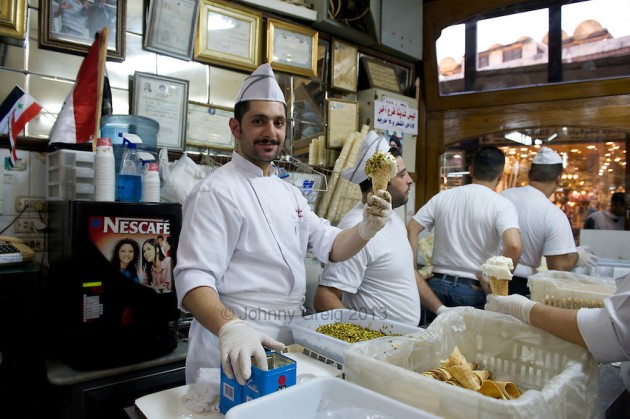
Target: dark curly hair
[(132, 268)]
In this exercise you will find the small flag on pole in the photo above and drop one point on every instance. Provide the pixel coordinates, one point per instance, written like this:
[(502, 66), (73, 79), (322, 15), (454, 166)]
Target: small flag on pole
[(16, 111)]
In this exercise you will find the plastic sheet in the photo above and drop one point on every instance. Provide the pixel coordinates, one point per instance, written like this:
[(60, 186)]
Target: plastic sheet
[(558, 379)]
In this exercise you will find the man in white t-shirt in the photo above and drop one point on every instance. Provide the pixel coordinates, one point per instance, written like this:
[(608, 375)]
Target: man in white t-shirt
[(545, 228), (610, 219), (469, 223), (380, 279)]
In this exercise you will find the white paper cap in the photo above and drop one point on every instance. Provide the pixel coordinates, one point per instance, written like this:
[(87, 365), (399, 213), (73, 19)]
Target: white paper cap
[(546, 156), (371, 144), (261, 85)]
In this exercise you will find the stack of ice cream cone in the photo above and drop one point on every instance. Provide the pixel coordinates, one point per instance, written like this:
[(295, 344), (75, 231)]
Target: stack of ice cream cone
[(499, 272)]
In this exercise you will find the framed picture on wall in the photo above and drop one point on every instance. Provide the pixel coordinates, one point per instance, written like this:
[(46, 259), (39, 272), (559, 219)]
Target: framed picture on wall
[(208, 126), (345, 58), (164, 99), (343, 119), (71, 25), (229, 35), (13, 18), (292, 48), (171, 26)]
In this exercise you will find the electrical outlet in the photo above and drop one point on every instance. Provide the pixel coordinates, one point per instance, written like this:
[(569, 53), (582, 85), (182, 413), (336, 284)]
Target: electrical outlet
[(25, 225), (30, 204), (37, 243)]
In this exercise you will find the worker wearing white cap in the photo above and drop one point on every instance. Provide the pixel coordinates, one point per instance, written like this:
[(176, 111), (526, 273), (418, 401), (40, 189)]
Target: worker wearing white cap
[(471, 223), (380, 279), (545, 229), (245, 234)]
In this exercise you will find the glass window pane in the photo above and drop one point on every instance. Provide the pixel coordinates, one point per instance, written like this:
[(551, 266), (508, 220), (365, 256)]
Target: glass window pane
[(594, 164), (450, 49), (596, 39)]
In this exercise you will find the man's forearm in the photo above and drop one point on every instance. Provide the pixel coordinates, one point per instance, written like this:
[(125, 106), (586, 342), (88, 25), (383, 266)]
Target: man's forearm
[(327, 298), (560, 322), (564, 262), (428, 299), (206, 306)]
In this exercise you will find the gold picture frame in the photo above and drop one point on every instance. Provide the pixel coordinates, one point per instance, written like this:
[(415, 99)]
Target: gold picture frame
[(292, 48), (345, 60), (13, 18), (78, 38), (341, 121), (228, 35)]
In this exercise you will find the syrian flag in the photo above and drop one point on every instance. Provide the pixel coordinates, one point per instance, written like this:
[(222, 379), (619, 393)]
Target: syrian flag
[(16, 110), (76, 122)]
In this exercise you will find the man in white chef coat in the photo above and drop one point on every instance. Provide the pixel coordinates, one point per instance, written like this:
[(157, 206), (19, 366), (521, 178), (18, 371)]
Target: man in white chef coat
[(545, 228), (605, 332), (245, 233), (380, 279), (469, 223)]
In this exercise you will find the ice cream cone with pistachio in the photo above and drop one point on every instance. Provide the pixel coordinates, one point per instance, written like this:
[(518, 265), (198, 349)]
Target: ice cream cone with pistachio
[(381, 167), (498, 269)]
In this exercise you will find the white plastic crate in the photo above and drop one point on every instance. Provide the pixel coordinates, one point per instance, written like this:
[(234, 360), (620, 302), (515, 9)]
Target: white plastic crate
[(70, 175), (570, 290), (558, 379), (324, 394), (304, 330)]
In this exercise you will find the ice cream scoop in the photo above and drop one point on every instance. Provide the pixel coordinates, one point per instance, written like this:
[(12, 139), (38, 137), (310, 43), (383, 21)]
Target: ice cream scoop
[(498, 270), (381, 167)]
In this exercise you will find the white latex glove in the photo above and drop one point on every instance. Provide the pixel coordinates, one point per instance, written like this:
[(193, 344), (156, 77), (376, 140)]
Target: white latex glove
[(443, 309), (376, 213), (586, 257), (514, 305), (238, 343)]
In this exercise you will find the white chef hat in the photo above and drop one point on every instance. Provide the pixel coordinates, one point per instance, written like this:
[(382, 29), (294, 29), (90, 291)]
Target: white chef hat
[(546, 156), (371, 144), (261, 85)]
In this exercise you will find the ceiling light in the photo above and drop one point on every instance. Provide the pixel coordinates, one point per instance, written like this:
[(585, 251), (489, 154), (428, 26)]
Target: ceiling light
[(519, 138)]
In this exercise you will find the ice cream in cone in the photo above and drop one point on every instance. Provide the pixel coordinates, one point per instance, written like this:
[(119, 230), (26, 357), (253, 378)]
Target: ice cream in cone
[(381, 167), (498, 269)]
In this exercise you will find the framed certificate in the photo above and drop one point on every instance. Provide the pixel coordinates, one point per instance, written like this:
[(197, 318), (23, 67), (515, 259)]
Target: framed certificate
[(343, 119), (13, 18), (171, 26), (345, 58), (71, 25), (228, 35), (208, 126), (381, 75), (292, 48), (164, 99)]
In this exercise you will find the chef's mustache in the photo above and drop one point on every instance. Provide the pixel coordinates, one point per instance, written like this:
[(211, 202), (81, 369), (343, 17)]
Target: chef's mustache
[(267, 141)]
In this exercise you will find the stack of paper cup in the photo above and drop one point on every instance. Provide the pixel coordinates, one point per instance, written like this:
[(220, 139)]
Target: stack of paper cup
[(104, 171), (151, 182)]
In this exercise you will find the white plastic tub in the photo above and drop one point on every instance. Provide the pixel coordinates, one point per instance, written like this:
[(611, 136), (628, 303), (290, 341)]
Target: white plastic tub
[(312, 398), (559, 379), (304, 330)]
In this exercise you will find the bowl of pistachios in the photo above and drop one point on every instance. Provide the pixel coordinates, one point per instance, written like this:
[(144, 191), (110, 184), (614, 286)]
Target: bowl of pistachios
[(331, 332)]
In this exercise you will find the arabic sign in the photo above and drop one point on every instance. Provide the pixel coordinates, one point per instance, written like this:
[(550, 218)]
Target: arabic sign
[(391, 114)]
